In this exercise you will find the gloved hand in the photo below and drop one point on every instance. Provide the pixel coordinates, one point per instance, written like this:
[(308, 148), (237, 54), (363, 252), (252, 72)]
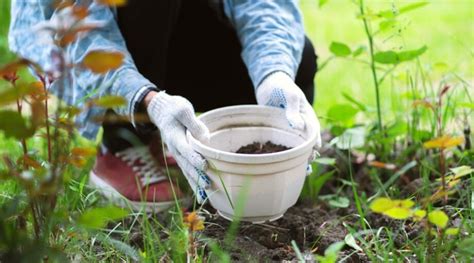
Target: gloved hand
[(173, 115), (279, 90)]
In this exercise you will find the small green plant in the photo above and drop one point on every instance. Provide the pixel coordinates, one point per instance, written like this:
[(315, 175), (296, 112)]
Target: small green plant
[(41, 171)]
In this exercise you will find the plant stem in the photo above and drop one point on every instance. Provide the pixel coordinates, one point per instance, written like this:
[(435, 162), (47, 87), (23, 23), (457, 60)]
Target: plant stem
[(442, 157), (48, 134), (372, 65), (356, 195), (35, 219), (23, 141), (442, 166)]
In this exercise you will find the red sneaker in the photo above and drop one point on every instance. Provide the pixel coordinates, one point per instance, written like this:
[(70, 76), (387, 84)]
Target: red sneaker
[(132, 178)]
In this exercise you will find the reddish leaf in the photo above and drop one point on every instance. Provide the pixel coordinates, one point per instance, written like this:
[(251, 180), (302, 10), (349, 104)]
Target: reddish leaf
[(388, 166), (28, 161), (78, 162), (101, 62), (422, 103), (83, 151), (444, 90), (113, 2), (194, 222), (37, 91), (71, 35), (80, 12), (8, 72)]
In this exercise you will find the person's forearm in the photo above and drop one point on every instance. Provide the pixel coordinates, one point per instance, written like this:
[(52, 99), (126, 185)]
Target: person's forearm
[(149, 97), (271, 33)]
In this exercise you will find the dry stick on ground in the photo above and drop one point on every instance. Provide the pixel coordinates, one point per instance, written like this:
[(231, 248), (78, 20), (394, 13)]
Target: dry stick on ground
[(48, 135)]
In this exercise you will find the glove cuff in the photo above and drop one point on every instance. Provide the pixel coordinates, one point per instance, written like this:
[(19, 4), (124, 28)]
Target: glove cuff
[(278, 74), (157, 104)]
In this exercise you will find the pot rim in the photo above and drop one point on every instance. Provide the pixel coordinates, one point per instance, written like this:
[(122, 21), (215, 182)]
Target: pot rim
[(241, 158)]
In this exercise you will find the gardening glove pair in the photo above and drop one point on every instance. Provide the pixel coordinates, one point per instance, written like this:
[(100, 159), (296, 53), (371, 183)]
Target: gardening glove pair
[(279, 90), (174, 115)]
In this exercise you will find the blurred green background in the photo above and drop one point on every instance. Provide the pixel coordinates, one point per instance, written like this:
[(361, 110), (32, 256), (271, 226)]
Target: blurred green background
[(445, 26)]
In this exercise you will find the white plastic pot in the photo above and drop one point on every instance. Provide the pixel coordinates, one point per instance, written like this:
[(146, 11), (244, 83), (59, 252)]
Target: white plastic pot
[(265, 184)]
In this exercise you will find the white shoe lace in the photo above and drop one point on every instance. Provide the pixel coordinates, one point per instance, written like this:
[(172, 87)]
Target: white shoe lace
[(148, 172)]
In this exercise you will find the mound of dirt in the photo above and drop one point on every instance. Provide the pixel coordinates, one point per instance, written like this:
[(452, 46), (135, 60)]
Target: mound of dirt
[(312, 227)]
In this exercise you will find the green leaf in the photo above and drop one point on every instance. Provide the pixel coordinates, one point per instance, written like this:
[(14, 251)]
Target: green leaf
[(326, 161), (120, 246), (12, 94), (398, 213), (397, 129), (340, 49), (316, 183), (331, 253), (14, 125), (357, 103), (359, 51), (339, 202), (381, 204), (397, 209), (98, 217), (350, 139), (344, 113), (466, 247), (411, 7), (438, 218), (466, 105), (386, 57), (350, 241), (452, 231), (392, 57), (419, 214), (411, 54), (334, 248), (462, 171), (404, 9), (387, 24), (323, 2), (109, 101)]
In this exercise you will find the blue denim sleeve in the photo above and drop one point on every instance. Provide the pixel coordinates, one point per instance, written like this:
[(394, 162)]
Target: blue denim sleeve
[(125, 81), (271, 33)]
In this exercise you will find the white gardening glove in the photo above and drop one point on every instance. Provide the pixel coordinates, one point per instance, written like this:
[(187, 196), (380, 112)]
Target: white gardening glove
[(279, 90), (173, 115)]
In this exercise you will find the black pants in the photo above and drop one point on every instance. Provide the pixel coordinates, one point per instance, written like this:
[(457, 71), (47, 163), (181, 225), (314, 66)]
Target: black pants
[(187, 48)]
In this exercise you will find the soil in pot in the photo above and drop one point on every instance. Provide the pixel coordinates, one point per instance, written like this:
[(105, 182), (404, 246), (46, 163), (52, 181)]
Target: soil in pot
[(259, 148)]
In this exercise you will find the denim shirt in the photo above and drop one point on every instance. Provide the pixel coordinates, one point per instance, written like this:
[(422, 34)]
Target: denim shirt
[(271, 33)]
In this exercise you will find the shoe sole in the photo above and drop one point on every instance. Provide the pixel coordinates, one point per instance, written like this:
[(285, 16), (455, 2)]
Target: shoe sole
[(118, 199)]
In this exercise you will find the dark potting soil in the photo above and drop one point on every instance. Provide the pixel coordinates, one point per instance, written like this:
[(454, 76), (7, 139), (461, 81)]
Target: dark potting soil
[(259, 148)]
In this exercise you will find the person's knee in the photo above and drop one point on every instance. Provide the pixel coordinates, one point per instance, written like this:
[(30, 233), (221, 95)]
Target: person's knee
[(307, 70)]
